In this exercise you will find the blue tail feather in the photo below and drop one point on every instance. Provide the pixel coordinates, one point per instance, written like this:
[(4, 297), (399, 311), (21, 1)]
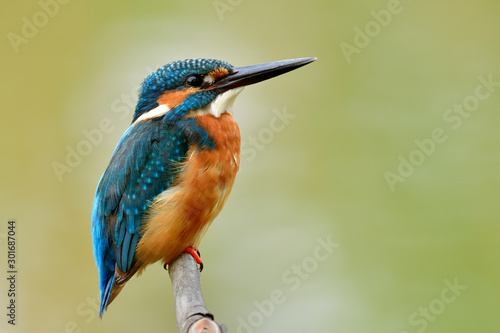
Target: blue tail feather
[(105, 294)]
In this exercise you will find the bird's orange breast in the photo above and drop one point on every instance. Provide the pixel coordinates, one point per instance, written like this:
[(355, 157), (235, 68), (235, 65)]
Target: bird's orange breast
[(180, 216)]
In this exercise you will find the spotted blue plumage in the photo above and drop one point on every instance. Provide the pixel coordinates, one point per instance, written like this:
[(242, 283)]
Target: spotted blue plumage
[(145, 163)]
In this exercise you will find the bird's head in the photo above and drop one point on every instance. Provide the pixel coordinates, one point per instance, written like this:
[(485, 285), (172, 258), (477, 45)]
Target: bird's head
[(202, 85)]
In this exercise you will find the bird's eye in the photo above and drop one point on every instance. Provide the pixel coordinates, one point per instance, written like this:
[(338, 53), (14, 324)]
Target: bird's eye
[(194, 80)]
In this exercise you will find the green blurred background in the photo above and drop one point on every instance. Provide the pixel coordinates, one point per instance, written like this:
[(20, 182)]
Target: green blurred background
[(356, 117)]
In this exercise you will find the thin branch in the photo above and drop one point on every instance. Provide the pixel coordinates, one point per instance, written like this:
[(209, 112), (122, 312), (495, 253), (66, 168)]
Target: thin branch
[(190, 310)]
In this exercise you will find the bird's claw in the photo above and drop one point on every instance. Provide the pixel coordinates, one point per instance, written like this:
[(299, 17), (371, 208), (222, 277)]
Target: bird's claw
[(195, 254)]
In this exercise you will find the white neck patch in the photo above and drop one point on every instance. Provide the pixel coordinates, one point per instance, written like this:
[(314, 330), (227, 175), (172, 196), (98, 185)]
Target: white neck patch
[(158, 111), (221, 103)]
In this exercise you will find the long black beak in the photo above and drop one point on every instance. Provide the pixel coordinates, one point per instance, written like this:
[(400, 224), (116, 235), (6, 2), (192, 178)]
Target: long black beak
[(244, 76)]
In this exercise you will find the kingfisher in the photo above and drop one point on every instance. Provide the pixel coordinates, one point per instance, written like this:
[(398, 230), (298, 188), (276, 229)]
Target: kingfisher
[(173, 169)]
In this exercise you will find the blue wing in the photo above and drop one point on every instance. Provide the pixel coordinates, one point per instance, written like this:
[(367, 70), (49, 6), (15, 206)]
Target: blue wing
[(144, 164)]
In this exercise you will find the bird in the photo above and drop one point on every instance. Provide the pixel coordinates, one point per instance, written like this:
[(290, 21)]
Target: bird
[(173, 169)]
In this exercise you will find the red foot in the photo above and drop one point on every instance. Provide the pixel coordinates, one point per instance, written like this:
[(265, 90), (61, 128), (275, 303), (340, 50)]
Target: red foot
[(195, 254)]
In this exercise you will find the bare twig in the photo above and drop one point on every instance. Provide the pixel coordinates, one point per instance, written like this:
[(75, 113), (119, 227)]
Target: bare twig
[(191, 314)]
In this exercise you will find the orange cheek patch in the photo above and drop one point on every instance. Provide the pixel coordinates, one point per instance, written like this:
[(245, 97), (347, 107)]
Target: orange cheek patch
[(219, 72), (174, 98)]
